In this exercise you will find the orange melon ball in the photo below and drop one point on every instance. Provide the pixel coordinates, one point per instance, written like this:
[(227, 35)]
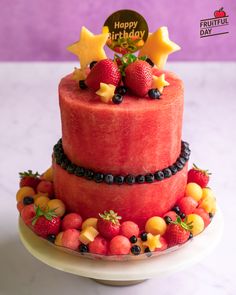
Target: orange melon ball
[(42, 202), (156, 225), (58, 206), (24, 191)]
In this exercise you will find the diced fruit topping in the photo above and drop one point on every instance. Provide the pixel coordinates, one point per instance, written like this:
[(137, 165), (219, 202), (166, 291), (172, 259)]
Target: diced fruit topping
[(153, 242), (51, 238), (42, 202), (28, 201), (98, 246), (58, 206), (136, 250), (83, 248), (205, 216), (105, 71), (177, 232), (155, 225), (88, 235), (187, 205), (45, 187), (108, 224), (129, 229), (197, 223), (25, 191), (28, 214), (71, 221), (193, 190), (71, 239), (138, 77), (92, 221), (119, 245), (46, 223), (199, 176), (29, 179)]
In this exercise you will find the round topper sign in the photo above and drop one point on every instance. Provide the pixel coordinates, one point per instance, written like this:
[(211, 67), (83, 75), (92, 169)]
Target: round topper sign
[(127, 30)]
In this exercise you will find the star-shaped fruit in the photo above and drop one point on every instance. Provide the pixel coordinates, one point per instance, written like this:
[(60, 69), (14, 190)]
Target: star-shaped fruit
[(89, 48), (106, 92), (158, 46), (153, 242), (78, 74), (159, 82)]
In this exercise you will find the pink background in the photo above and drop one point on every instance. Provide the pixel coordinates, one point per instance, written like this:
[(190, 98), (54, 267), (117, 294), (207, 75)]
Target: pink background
[(40, 30)]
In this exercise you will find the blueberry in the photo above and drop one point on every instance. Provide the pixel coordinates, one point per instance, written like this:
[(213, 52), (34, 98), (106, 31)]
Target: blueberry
[(82, 84), (117, 98), (83, 248), (182, 215), (143, 236), (186, 150), (149, 178), (88, 174), (140, 179), (92, 64), (148, 252), (109, 178), (167, 219), (71, 168), (64, 163), (133, 239), (182, 160), (179, 165), (98, 177), (159, 175), (211, 215), (135, 250), (176, 210), (148, 60), (185, 144), (154, 93), (190, 236), (28, 200), (122, 90), (173, 169), (119, 179), (51, 238), (130, 179), (185, 156), (167, 172), (79, 171)]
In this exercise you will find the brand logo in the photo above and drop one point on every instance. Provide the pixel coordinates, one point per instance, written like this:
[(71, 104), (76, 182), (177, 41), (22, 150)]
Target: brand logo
[(217, 25)]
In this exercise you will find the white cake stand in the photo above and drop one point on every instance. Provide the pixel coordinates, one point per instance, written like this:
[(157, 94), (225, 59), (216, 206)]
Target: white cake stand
[(124, 272)]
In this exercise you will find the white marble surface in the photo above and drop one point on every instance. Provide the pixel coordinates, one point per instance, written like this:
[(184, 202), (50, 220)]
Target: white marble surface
[(30, 125)]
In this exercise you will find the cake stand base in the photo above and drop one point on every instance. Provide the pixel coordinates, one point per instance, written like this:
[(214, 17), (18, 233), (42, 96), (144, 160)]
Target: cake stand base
[(124, 273)]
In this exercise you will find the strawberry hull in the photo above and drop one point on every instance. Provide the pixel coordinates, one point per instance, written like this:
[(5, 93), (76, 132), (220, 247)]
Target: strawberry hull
[(133, 202), (140, 135)]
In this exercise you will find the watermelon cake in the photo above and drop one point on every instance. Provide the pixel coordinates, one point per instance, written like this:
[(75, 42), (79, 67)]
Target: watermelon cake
[(119, 182)]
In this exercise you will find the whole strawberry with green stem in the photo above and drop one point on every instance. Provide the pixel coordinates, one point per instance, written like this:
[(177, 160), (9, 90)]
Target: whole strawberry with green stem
[(177, 232), (46, 222), (28, 178), (199, 176), (108, 224)]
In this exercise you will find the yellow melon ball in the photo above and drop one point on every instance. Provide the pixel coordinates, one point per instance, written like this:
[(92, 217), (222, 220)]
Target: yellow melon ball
[(58, 206), (92, 221), (36, 196), (206, 191), (42, 202), (48, 174), (156, 225), (208, 204), (58, 241), (193, 190), (24, 191), (196, 222)]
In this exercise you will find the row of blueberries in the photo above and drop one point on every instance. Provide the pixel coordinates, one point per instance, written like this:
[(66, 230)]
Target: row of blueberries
[(108, 178)]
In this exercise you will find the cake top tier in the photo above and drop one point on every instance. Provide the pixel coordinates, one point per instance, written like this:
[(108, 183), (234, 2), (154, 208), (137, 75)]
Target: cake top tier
[(124, 32)]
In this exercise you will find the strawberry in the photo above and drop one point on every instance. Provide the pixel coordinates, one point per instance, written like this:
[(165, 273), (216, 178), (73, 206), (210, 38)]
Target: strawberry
[(199, 176), (46, 223), (108, 224), (104, 71), (177, 232), (138, 77), (29, 179)]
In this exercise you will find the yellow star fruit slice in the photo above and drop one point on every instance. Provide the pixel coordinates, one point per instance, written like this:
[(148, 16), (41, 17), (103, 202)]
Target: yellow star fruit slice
[(159, 82), (106, 92), (158, 47), (153, 242), (78, 75), (89, 48)]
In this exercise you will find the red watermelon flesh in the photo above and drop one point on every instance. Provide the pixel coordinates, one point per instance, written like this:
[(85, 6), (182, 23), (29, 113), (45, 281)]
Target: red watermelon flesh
[(139, 135), (135, 202)]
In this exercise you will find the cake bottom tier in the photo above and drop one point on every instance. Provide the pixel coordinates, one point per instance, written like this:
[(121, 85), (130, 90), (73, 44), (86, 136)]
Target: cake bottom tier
[(136, 202)]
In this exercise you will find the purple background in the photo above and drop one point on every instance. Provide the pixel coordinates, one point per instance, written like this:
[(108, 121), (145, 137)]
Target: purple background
[(40, 30)]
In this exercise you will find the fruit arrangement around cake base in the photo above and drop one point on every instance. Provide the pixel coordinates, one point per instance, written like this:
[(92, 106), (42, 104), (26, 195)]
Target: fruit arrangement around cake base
[(106, 236)]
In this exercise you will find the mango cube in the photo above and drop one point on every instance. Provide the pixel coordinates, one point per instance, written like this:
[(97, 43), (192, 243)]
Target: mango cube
[(88, 235)]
